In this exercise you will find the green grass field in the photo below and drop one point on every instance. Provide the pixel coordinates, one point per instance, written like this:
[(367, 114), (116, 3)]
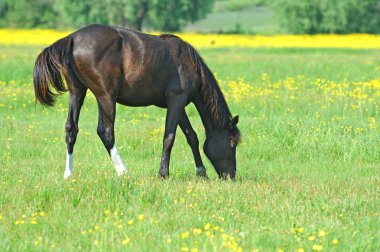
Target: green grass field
[(308, 166)]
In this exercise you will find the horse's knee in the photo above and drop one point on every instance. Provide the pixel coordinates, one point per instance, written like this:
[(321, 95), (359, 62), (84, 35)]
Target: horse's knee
[(168, 142), (107, 136)]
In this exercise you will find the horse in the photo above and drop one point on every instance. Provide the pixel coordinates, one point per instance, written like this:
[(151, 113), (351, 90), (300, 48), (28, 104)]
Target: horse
[(136, 69)]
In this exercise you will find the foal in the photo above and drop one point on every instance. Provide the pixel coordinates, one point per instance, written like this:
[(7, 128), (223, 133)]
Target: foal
[(136, 69)]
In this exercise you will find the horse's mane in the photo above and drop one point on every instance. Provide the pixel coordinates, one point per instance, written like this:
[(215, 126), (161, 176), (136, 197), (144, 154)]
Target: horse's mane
[(211, 94), (213, 97)]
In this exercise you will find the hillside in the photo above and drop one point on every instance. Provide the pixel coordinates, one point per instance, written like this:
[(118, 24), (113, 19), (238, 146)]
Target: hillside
[(238, 16)]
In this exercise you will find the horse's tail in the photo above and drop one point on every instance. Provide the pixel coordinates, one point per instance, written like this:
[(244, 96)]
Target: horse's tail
[(47, 71)]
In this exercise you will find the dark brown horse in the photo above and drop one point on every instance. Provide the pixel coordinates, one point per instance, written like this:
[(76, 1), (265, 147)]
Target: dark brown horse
[(137, 69)]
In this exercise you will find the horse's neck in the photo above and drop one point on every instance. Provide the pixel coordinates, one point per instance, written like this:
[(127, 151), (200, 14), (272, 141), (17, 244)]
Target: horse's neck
[(210, 124)]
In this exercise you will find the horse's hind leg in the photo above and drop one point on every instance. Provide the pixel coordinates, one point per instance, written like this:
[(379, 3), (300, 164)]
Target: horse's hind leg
[(107, 111), (77, 94), (193, 142)]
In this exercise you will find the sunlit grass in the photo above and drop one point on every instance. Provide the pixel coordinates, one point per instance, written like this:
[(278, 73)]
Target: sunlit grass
[(308, 166)]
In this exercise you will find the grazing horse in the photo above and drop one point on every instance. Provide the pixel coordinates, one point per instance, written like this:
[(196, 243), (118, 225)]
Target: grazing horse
[(136, 69)]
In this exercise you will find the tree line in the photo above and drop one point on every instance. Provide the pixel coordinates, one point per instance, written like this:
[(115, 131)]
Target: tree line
[(328, 16), (295, 16), (165, 15)]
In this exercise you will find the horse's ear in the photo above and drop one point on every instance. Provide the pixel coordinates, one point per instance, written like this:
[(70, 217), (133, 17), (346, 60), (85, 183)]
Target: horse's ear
[(234, 121)]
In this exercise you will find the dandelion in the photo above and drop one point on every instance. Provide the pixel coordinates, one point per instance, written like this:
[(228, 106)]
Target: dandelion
[(125, 241), (300, 250), (130, 222), (96, 242), (184, 249), (168, 240), (321, 233), (299, 230), (140, 217), (335, 242), (311, 238), (197, 231), (185, 235), (42, 214), (317, 247), (1, 217), (207, 226)]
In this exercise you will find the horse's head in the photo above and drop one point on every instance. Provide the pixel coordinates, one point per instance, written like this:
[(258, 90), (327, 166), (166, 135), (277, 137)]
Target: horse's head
[(220, 148)]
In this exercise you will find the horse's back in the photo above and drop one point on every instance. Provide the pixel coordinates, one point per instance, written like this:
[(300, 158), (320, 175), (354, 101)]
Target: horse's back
[(142, 68)]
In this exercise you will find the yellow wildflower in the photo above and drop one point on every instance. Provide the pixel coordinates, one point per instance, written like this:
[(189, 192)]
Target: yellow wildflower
[(317, 247), (185, 234), (125, 241), (311, 238), (299, 230), (321, 233)]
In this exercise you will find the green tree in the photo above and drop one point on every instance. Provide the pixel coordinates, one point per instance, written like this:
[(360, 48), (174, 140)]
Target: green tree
[(329, 16), (27, 14), (171, 15), (167, 15)]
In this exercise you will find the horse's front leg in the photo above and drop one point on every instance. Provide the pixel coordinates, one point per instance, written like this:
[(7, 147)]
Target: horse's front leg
[(175, 104), (193, 142)]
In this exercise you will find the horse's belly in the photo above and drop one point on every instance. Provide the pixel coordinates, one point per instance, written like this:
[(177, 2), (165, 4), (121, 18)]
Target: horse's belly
[(141, 99)]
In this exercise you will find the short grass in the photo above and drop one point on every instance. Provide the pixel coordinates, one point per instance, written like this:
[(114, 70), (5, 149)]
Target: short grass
[(308, 166), (253, 19)]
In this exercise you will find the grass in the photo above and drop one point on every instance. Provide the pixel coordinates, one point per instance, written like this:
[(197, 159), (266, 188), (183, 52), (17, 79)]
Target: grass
[(308, 167), (238, 16), (253, 19)]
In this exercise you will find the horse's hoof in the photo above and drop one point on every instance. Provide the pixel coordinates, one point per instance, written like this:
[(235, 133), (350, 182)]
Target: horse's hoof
[(201, 172), (163, 174), (67, 174), (122, 173)]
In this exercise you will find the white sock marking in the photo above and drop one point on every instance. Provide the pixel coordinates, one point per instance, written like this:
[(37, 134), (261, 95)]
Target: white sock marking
[(69, 165), (120, 167)]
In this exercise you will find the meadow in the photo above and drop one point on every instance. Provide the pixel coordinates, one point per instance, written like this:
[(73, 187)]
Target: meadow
[(308, 166)]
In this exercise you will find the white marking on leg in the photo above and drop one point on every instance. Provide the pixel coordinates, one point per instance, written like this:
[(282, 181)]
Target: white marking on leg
[(120, 167), (69, 165)]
